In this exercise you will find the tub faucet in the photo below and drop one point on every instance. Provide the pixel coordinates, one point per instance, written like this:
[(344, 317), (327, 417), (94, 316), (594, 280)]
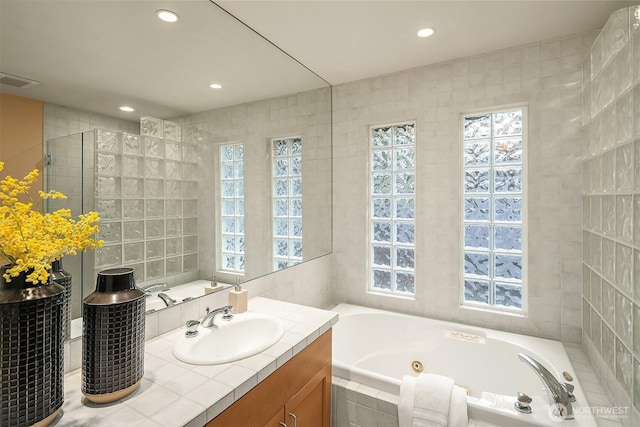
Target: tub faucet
[(559, 395), (153, 287), (210, 317), (167, 299)]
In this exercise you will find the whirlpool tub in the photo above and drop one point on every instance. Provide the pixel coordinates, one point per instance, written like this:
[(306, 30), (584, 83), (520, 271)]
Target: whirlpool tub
[(376, 349)]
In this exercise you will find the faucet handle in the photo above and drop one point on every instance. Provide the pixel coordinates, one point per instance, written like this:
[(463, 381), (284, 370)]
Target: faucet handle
[(524, 398), (522, 403), (227, 313), (192, 328), (569, 389)]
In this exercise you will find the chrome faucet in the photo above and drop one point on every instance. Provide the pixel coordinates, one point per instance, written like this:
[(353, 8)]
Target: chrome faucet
[(559, 394), (153, 287), (167, 299), (192, 328), (210, 317)]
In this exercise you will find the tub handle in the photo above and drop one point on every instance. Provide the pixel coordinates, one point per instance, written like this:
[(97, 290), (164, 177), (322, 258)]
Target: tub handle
[(569, 389), (295, 420)]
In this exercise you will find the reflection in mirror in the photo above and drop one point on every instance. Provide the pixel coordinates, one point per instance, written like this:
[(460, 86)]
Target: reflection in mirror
[(262, 201), (163, 207)]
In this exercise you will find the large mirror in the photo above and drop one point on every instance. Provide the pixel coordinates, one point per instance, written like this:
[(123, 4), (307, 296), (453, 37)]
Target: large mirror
[(232, 182)]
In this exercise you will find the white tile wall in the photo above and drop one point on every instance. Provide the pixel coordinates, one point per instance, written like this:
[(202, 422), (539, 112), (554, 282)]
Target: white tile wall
[(63, 121), (544, 76)]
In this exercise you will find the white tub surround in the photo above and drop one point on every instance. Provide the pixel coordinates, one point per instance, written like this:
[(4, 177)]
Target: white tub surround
[(484, 361), (174, 394)]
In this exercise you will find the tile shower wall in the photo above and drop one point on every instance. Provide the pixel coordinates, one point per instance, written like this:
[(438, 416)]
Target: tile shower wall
[(546, 77), (611, 206)]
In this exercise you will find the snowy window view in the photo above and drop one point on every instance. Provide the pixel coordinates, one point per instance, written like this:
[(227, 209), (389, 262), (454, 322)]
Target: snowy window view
[(392, 209), (493, 229)]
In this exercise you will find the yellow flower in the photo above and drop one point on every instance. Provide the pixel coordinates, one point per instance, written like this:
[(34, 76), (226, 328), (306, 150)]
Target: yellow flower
[(31, 240)]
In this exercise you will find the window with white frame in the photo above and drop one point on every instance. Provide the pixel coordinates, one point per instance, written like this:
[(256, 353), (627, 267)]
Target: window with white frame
[(287, 201), (494, 228), (392, 209), (232, 207)]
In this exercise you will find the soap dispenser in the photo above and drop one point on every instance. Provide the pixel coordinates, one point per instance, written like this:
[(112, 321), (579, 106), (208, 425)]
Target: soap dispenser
[(213, 286), (238, 298)]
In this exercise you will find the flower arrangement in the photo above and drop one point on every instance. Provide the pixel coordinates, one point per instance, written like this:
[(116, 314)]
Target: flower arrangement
[(31, 240)]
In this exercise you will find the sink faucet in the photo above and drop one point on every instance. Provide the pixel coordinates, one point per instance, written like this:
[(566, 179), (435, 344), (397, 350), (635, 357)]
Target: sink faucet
[(153, 287), (210, 317), (559, 395), (167, 299)]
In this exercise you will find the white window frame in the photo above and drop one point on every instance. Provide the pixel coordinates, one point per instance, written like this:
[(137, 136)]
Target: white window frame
[(369, 230), (492, 307)]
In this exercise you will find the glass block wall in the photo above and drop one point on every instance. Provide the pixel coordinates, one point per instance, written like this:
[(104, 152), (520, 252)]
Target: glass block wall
[(392, 209), (493, 188), (287, 202), (232, 208), (611, 205), (146, 194)]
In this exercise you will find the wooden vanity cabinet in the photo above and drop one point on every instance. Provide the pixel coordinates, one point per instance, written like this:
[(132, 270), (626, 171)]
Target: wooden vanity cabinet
[(296, 395)]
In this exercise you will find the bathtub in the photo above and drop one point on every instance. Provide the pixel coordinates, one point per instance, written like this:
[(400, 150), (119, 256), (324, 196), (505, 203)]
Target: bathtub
[(180, 293), (376, 348)]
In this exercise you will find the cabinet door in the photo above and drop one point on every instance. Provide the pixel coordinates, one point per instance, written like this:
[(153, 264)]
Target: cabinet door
[(272, 395), (311, 406), (276, 420)]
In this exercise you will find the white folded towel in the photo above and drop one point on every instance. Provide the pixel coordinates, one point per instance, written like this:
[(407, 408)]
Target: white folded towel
[(405, 401), (458, 408), (430, 400)]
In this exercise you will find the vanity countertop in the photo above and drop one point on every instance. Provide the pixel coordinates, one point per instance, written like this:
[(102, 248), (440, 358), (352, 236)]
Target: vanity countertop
[(174, 394)]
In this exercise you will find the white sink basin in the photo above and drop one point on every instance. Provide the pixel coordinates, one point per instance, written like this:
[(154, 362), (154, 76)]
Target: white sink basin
[(243, 336)]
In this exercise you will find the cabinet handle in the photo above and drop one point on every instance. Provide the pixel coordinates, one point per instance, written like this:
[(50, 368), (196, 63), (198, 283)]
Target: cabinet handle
[(295, 420), (283, 424)]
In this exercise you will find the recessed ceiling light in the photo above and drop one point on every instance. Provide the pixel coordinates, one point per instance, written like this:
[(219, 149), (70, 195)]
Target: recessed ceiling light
[(215, 86), (127, 109), (425, 32), (167, 15)]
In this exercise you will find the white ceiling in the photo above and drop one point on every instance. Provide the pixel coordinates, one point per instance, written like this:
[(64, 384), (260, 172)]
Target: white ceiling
[(349, 40), (97, 55)]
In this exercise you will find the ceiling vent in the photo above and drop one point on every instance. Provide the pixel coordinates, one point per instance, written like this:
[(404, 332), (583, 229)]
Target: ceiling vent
[(16, 81)]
